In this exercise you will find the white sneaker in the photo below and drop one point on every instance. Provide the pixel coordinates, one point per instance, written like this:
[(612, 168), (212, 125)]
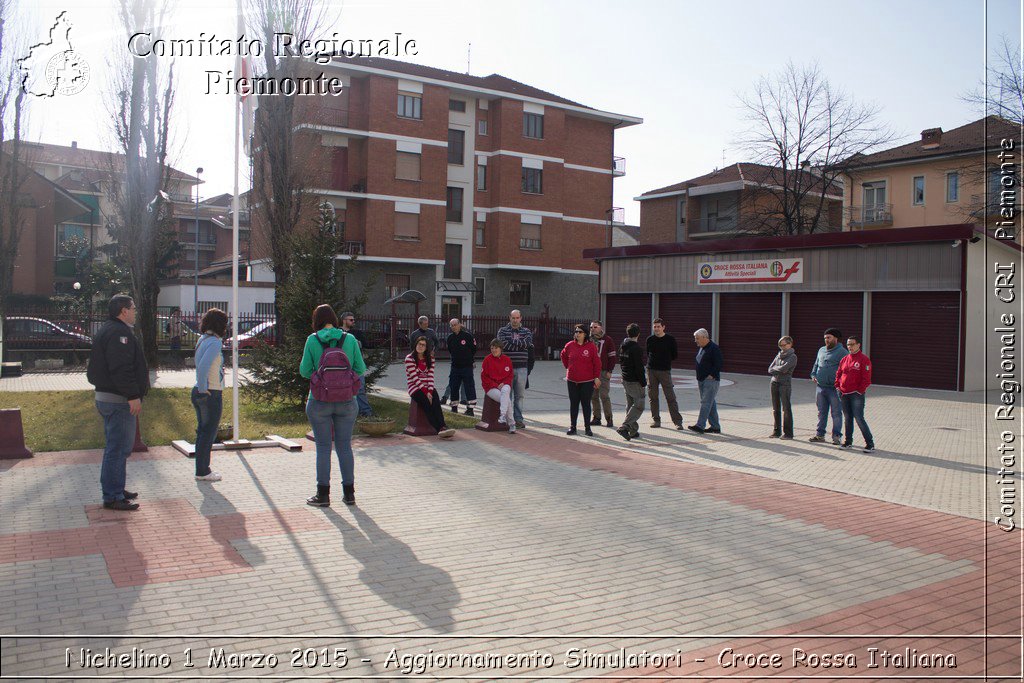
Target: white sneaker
[(212, 476), (446, 433), (512, 429)]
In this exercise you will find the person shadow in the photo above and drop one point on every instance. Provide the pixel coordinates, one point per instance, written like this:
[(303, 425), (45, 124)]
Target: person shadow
[(392, 571), (224, 529)]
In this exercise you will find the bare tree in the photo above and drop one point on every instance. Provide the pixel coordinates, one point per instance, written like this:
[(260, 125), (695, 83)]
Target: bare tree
[(808, 132), (280, 169), (13, 171), (140, 115), (1002, 92)]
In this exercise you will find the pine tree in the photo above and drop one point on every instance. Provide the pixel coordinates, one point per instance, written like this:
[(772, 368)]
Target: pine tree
[(317, 277)]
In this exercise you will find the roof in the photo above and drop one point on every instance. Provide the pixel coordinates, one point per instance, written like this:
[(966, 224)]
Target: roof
[(47, 153), (933, 233), (966, 138), (492, 82), (745, 172)]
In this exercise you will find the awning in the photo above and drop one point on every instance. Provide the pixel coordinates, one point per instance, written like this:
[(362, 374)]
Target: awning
[(451, 286)]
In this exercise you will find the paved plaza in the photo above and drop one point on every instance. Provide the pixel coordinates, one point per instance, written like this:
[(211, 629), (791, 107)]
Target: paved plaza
[(530, 556)]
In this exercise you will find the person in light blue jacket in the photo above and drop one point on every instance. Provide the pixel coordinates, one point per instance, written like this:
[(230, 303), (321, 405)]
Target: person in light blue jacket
[(823, 372), (208, 393)]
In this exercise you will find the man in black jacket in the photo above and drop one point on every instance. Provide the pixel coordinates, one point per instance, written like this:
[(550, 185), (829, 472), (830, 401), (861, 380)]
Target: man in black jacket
[(661, 351), (634, 379), (117, 368), (709, 377), (462, 351)]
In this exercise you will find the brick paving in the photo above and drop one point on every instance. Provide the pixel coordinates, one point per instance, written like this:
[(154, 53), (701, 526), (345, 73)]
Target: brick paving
[(531, 546)]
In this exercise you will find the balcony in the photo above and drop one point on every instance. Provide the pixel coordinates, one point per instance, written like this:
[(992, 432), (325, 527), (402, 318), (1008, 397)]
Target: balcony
[(528, 243), (352, 248), (872, 216), (712, 226), (618, 166)]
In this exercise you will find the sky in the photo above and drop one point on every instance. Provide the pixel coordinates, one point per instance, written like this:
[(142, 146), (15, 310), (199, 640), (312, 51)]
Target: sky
[(680, 65)]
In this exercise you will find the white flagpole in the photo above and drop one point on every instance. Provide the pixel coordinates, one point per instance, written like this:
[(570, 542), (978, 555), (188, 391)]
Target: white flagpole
[(234, 264)]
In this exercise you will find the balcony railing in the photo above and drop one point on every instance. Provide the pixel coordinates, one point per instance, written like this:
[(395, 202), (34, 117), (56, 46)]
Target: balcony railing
[(352, 248), (618, 166), (712, 225), (871, 215), (527, 243)]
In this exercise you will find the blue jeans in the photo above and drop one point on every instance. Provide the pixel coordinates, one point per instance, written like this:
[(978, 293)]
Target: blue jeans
[(827, 398), (208, 411), (853, 409), (363, 402), (708, 389), (119, 434), (339, 418), (462, 378), (519, 392)]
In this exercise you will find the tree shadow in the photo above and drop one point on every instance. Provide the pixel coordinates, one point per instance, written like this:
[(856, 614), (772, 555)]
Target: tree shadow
[(392, 571)]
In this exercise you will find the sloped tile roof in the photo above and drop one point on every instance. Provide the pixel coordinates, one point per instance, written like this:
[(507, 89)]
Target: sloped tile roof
[(966, 138)]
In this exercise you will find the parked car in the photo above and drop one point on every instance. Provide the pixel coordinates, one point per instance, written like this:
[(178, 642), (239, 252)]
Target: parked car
[(23, 332), (189, 336), (262, 333)]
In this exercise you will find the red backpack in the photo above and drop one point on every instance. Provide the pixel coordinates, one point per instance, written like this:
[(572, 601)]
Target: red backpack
[(334, 380)]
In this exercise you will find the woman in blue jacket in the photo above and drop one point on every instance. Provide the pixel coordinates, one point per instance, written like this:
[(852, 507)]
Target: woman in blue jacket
[(208, 393)]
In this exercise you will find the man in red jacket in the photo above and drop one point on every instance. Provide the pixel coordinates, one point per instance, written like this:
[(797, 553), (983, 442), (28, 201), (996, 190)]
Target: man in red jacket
[(852, 381)]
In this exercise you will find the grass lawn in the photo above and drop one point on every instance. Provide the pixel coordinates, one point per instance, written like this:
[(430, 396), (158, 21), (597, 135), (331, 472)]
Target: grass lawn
[(67, 420)]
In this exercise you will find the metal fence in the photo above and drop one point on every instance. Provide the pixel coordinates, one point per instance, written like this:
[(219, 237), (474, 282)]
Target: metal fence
[(41, 328)]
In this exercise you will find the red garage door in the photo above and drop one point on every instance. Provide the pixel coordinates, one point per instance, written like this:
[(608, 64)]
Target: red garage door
[(623, 309), (684, 313), (749, 326), (811, 313), (915, 339)]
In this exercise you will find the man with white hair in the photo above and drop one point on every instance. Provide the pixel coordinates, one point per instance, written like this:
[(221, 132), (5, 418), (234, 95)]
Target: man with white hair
[(423, 330), (709, 377)]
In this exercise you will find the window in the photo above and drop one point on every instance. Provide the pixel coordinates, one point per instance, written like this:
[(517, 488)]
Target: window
[(953, 187), (519, 293), (481, 177), (456, 105), (207, 305), (874, 202), (451, 307), (264, 309), (533, 125), (456, 147), (395, 284), (532, 180), (478, 295), (481, 127), (453, 203), (410, 106), (479, 240), (66, 231), (407, 166), (529, 236), (453, 262), (407, 226), (918, 192)]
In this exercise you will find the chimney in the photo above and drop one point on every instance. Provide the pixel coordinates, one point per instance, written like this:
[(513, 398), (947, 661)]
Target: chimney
[(74, 144), (930, 138)]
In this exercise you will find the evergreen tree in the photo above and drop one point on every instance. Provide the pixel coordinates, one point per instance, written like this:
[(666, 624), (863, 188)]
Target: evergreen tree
[(317, 277)]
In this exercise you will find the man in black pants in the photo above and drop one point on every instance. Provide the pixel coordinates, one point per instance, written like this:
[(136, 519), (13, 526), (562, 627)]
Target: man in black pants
[(661, 351), (462, 351), (631, 358)]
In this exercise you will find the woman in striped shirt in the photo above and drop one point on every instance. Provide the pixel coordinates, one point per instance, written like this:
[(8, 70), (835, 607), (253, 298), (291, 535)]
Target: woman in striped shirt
[(419, 372)]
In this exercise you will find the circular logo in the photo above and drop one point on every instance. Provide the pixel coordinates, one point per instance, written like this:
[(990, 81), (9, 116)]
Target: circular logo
[(463, 342), (586, 352), (776, 268), (67, 73), (705, 271)]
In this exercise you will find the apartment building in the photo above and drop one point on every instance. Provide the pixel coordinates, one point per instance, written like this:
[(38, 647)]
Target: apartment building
[(732, 201), (479, 192), (945, 177)]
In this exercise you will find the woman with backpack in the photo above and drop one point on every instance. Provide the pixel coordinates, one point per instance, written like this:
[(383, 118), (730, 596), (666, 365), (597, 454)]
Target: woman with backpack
[(419, 372), (332, 419), (208, 393)]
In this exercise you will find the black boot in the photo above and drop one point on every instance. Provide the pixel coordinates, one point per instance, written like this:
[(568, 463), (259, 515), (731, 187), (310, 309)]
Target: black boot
[(469, 411), (349, 496), (322, 499)]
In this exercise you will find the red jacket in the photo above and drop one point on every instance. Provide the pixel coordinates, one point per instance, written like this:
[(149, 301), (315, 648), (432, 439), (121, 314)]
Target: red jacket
[(496, 371), (583, 361), (607, 351), (854, 374)]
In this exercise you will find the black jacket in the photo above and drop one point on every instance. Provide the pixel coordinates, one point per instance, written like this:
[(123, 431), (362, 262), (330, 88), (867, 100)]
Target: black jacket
[(631, 358), (461, 349), (661, 351), (116, 364), (710, 364)]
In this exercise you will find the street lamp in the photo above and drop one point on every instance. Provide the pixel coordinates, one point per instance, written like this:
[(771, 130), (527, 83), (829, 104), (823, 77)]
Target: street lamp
[(195, 298)]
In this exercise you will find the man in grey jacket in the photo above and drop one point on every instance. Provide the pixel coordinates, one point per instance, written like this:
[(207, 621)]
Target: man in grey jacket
[(781, 371), (823, 372)]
